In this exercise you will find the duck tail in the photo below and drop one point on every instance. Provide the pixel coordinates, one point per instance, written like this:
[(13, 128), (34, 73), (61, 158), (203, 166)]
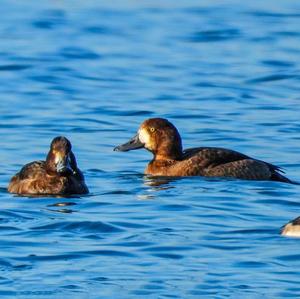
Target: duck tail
[(281, 178)]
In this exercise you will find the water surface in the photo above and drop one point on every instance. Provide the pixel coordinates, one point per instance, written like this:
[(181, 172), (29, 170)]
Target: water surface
[(226, 74)]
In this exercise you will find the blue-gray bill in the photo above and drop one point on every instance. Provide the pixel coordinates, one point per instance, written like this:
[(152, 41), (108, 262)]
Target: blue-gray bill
[(64, 166), (132, 144)]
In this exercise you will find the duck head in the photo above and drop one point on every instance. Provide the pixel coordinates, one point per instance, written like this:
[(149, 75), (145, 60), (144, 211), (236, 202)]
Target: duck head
[(158, 136), (60, 158)]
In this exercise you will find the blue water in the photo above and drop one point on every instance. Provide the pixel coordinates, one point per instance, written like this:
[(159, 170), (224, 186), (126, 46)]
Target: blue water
[(226, 73)]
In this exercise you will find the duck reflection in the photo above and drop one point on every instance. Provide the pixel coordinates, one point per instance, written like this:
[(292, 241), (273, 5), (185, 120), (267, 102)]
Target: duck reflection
[(159, 183), (61, 206), (154, 184)]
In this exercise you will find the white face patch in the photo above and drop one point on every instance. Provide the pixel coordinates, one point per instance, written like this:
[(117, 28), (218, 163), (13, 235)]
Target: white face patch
[(57, 158), (144, 136)]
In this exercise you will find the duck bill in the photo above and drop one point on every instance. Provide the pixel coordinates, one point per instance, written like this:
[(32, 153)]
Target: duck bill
[(64, 165), (132, 144)]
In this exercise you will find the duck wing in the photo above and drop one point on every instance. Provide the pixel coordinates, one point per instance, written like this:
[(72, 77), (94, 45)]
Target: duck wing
[(214, 156), (224, 162), (30, 179), (32, 170)]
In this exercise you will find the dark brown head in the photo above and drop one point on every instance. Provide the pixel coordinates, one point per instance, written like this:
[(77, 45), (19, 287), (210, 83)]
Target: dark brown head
[(60, 158), (158, 136)]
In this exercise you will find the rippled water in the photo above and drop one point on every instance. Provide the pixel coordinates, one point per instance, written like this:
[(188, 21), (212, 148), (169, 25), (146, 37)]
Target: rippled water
[(226, 74)]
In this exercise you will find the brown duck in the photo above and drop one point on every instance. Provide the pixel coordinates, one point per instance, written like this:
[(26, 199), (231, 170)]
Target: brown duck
[(291, 229), (58, 175), (161, 138)]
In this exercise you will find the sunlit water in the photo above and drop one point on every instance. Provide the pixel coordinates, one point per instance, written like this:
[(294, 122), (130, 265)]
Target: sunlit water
[(226, 75)]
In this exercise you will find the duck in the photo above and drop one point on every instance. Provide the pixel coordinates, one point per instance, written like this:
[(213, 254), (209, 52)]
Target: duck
[(57, 175), (291, 229), (162, 139)]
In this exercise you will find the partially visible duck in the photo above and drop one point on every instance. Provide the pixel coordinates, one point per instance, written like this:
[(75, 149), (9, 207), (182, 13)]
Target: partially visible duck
[(161, 138), (291, 229), (58, 175)]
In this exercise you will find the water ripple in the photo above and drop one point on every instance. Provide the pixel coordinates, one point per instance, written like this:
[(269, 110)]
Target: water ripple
[(83, 226), (214, 35), (275, 77), (14, 67), (78, 53)]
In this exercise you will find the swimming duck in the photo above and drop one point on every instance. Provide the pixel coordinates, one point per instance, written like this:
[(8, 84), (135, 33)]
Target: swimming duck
[(161, 137), (291, 229), (58, 175)]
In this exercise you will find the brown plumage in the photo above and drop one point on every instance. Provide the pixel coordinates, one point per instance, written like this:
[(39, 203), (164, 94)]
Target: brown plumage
[(58, 175), (291, 229), (161, 138)]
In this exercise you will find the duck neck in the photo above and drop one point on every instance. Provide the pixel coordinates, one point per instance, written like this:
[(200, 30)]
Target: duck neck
[(174, 154), (50, 165)]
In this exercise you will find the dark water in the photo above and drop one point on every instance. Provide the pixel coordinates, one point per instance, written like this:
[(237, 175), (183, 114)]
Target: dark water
[(226, 74)]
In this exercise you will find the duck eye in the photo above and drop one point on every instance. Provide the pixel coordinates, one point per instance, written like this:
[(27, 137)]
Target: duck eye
[(152, 129)]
